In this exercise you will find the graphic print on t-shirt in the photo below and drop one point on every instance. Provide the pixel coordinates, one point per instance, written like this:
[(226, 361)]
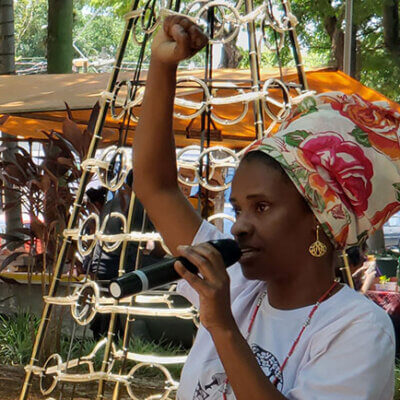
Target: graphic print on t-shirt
[(214, 387), (269, 364)]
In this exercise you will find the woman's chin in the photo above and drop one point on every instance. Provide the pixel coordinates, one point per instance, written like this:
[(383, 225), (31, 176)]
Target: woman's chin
[(251, 272)]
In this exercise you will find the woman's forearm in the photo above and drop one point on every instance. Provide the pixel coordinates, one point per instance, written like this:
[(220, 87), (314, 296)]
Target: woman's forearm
[(154, 147), (246, 377)]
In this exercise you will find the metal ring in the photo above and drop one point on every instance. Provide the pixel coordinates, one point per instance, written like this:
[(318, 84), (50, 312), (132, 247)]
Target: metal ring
[(189, 165), (83, 250), (85, 307), (168, 381), (221, 5), (113, 102), (113, 178), (285, 107), (58, 360), (194, 105), (217, 163), (107, 247), (264, 38), (224, 121)]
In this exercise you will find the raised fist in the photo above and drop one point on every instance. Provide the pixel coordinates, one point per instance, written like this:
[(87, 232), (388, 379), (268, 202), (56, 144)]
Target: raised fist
[(179, 39)]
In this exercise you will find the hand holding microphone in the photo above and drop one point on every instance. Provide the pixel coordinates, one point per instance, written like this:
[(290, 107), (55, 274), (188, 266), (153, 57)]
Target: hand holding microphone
[(163, 272)]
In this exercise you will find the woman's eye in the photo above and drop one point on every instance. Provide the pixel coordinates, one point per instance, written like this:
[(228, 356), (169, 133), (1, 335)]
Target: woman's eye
[(236, 211), (261, 207)]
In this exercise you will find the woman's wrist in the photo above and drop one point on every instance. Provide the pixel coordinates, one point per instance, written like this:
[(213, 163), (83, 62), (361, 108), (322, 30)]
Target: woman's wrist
[(157, 64), (228, 331)]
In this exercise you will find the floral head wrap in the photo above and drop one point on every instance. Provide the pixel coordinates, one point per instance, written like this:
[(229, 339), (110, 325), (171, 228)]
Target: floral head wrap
[(343, 155)]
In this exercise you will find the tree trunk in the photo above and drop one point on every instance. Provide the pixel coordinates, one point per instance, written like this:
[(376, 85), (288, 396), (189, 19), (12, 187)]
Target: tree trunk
[(59, 40), (230, 57), (7, 47), (391, 26), (7, 67), (336, 34)]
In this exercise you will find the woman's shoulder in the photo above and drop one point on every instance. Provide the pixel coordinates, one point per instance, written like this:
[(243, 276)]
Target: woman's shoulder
[(208, 231), (349, 309)]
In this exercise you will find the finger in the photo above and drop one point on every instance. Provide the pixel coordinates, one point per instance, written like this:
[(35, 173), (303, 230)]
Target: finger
[(169, 22), (172, 20), (208, 261), (197, 37), (193, 280)]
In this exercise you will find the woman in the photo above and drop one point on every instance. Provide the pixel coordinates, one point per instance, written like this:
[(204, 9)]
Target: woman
[(276, 326)]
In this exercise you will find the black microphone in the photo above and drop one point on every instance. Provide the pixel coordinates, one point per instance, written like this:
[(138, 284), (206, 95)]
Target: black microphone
[(163, 272)]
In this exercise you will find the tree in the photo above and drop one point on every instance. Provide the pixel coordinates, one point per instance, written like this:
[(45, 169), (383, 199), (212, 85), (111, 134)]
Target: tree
[(59, 40), (12, 204), (7, 48), (30, 28)]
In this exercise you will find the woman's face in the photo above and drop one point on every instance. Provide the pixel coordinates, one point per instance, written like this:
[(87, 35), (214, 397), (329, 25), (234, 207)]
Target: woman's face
[(274, 227)]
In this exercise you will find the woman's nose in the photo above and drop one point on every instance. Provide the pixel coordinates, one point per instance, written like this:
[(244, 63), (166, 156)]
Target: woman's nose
[(242, 226)]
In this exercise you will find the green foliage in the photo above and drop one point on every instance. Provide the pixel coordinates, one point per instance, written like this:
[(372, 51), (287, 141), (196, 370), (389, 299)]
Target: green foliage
[(17, 334), (30, 28), (18, 331), (117, 7)]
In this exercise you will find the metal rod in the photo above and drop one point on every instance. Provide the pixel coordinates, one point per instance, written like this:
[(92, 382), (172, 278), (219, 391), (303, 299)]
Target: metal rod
[(347, 37), (347, 269), (296, 48), (255, 73), (125, 339)]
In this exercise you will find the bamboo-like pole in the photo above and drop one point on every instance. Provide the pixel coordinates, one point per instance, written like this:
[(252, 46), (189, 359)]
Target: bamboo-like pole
[(296, 48), (75, 211), (125, 339), (347, 269), (255, 72), (347, 37)]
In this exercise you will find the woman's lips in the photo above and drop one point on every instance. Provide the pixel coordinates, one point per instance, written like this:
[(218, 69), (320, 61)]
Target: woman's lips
[(248, 253)]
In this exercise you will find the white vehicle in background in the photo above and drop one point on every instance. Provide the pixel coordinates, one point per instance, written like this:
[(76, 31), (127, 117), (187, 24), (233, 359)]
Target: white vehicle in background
[(391, 231)]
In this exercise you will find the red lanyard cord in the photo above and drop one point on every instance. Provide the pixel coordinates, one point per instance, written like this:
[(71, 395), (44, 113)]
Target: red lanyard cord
[(295, 343)]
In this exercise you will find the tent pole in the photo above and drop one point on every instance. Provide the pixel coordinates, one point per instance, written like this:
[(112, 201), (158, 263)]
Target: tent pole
[(255, 73), (347, 37)]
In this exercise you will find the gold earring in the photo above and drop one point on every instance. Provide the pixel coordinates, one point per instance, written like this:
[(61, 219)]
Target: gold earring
[(317, 249)]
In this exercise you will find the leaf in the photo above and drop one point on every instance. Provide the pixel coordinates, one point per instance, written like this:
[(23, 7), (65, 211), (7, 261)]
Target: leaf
[(295, 138), (361, 137), (14, 174), (397, 189), (65, 161), (73, 134), (3, 119), (69, 112), (12, 257), (38, 227)]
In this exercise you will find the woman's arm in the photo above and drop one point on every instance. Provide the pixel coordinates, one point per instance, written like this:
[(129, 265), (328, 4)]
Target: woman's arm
[(155, 177), (245, 375)]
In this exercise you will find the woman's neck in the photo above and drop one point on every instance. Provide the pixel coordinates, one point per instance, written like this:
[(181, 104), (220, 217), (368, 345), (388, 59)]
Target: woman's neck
[(301, 290)]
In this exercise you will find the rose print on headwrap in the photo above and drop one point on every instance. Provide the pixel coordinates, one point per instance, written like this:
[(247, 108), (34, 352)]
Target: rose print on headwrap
[(343, 167), (382, 216), (377, 127), (342, 154)]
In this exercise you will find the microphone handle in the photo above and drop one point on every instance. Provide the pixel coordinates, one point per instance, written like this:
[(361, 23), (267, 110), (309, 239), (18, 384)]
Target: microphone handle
[(161, 273)]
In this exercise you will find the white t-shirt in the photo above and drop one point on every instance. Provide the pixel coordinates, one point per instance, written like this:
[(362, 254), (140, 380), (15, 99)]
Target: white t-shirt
[(347, 351)]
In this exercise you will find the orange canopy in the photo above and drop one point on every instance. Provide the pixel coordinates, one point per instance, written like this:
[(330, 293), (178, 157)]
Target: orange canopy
[(35, 103)]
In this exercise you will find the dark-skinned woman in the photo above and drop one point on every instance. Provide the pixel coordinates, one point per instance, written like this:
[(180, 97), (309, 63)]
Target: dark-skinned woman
[(277, 325)]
